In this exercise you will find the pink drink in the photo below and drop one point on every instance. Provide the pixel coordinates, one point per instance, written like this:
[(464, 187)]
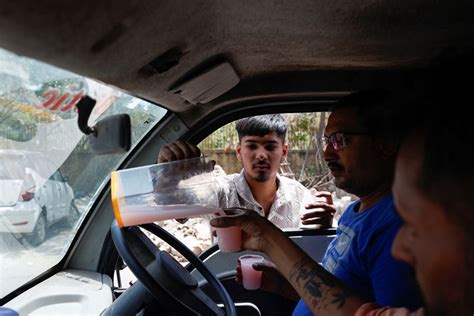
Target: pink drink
[(142, 214), (251, 278), (229, 238)]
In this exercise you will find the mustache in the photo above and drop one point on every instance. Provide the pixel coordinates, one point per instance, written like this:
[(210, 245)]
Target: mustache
[(261, 164), (335, 166)]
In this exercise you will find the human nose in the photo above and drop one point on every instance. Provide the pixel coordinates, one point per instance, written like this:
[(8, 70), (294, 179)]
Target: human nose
[(261, 154), (329, 152), (401, 246)]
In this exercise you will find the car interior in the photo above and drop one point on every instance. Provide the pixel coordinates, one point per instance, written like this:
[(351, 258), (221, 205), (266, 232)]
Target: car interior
[(180, 70)]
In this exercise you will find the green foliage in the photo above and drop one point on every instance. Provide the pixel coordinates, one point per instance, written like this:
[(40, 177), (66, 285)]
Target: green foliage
[(301, 127), (224, 138)]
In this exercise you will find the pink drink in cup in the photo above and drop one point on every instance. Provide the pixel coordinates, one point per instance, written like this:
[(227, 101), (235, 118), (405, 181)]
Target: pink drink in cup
[(229, 238), (251, 278)]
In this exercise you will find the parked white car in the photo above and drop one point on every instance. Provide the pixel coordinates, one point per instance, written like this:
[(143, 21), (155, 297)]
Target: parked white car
[(33, 195)]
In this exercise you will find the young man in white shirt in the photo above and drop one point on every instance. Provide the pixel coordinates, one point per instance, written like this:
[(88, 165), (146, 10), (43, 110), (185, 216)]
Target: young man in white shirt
[(258, 186)]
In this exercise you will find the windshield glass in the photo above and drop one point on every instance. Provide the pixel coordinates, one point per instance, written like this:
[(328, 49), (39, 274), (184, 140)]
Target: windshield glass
[(48, 176)]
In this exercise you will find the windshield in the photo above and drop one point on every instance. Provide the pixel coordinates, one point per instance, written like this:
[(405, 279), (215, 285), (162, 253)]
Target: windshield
[(48, 176)]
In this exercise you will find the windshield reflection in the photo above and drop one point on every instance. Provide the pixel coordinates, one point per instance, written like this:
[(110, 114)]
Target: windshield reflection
[(48, 175)]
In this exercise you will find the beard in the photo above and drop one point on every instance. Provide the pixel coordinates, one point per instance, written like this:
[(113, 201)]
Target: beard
[(465, 304), (261, 177), (350, 185), (358, 185), (340, 178)]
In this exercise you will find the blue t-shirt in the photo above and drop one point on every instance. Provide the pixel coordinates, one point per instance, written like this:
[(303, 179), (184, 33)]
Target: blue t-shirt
[(360, 257)]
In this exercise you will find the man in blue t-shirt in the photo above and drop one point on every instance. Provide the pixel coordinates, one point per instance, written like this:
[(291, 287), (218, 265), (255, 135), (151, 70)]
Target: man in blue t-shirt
[(360, 149), (435, 235), (361, 258)]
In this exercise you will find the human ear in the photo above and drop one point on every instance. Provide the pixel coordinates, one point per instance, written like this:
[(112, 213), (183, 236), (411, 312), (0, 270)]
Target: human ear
[(237, 152), (285, 153)]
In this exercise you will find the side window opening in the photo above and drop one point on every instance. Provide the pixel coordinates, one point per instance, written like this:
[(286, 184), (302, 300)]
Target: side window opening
[(305, 164)]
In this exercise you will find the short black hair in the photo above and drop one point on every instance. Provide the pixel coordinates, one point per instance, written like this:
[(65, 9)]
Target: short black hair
[(447, 170), (379, 112), (262, 125)]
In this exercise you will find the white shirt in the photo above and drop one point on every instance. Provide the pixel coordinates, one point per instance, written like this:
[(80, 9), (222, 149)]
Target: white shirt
[(290, 200)]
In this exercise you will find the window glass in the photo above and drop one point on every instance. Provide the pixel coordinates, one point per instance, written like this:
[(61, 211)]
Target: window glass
[(49, 177), (305, 164)]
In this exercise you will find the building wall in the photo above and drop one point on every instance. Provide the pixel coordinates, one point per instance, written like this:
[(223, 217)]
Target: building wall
[(229, 162)]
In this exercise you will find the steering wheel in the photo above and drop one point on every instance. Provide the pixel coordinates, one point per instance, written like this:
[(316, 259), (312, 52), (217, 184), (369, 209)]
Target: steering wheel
[(166, 279)]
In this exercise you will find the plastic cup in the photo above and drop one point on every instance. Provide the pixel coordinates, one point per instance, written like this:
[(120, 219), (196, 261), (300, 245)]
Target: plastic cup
[(251, 278), (171, 190), (229, 238)]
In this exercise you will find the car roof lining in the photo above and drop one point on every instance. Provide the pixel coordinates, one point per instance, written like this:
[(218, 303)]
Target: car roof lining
[(119, 38)]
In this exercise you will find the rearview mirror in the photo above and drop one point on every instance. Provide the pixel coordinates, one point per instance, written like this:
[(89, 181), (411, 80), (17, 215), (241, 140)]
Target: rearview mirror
[(111, 135)]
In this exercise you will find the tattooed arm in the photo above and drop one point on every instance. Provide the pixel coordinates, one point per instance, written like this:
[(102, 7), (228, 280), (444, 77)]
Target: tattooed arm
[(322, 292)]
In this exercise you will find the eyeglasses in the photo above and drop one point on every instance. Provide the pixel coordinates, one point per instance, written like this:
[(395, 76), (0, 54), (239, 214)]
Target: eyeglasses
[(337, 140)]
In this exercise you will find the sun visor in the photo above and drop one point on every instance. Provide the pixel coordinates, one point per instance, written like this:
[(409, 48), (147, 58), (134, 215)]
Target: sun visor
[(208, 85)]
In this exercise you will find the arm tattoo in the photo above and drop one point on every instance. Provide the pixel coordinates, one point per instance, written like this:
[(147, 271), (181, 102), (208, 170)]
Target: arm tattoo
[(320, 284)]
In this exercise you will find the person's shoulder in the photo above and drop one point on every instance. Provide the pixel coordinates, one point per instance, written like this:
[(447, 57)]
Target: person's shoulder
[(231, 176), (386, 213), (291, 190), (227, 182), (383, 224), (222, 176), (349, 214), (291, 182), (381, 218)]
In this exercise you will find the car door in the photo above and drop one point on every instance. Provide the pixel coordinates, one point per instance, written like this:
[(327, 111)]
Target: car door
[(47, 190), (195, 233), (64, 194)]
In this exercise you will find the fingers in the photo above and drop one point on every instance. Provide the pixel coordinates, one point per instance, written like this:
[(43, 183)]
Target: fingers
[(189, 150), (226, 221), (255, 229), (323, 206), (326, 195), (321, 213), (249, 220), (178, 151), (165, 155), (265, 265), (324, 221), (318, 213), (238, 274), (319, 216)]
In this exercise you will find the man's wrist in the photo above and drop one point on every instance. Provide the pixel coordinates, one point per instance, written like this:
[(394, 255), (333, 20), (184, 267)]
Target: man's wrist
[(276, 244)]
